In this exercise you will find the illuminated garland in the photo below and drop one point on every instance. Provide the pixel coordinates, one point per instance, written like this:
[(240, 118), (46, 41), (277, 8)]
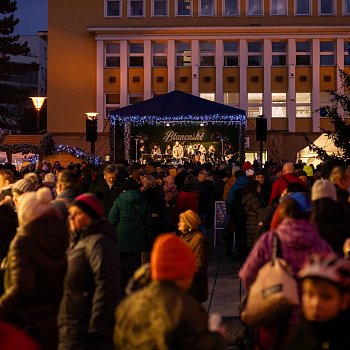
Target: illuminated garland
[(181, 120), (79, 153), (127, 140)]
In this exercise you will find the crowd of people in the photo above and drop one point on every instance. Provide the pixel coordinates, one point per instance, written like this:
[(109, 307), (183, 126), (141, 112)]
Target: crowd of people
[(116, 257)]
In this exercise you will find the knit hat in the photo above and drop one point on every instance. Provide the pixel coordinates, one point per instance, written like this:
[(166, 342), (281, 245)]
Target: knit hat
[(171, 258), (247, 165), (89, 204), (22, 186), (302, 200), (191, 219), (49, 179), (323, 189), (32, 205)]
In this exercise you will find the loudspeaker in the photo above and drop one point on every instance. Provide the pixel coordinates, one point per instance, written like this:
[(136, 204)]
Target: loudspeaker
[(91, 130), (261, 129)]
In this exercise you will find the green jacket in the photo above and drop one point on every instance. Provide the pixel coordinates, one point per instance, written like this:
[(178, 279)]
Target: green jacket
[(163, 317), (130, 215)]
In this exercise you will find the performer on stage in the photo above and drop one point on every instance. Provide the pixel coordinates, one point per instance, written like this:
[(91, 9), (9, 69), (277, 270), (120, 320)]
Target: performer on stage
[(190, 152), (168, 151), (202, 156), (178, 152), (156, 152), (212, 154)]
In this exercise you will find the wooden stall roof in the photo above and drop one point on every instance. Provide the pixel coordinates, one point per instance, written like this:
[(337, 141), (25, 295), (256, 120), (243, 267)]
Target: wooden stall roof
[(21, 139)]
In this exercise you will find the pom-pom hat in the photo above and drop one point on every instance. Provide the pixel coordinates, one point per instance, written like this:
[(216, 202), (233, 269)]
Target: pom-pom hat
[(171, 259), (32, 205), (22, 186)]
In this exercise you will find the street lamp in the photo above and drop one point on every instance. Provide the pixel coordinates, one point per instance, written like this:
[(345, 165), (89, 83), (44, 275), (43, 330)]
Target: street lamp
[(38, 102), (91, 129)]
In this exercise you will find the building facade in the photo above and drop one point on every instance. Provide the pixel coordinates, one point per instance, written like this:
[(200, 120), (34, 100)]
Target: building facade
[(271, 57)]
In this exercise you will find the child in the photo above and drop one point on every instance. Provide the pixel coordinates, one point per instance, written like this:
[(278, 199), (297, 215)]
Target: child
[(325, 302)]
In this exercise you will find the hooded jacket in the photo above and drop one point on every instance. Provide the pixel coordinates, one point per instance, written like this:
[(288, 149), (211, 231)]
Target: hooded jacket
[(129, 216), (91, 289), (34, 276)]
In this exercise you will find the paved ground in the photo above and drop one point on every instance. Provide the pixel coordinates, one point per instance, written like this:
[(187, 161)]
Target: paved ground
[(225, 290)]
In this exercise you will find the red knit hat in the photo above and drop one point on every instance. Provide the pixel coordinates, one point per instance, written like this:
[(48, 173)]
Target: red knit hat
[(247, 165), (90, 204), (171, 259)]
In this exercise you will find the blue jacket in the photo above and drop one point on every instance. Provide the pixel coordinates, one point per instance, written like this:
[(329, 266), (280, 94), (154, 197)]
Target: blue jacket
[(240, 183)]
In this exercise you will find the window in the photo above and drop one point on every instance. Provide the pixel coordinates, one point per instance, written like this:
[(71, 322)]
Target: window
[(326, 7), (325, 99), (207, 8), (303, 53), (184, 7), (255, 53), (255, 8), (303, 104), (347, 53), (135, 99), (279, 7), (231, 99), (302, 7), (279, 53), (135, 55), (112, 102), (231, 54), (159, 51), (112, 8), (208, 96), (160, 8), (279, 103), (230, 8), (112, 55), (207, 54), (183, 54), (255, 102), (327, 53), (136, 8), (346, 7)]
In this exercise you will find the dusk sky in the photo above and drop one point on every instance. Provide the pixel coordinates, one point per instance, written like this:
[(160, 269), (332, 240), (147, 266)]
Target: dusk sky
[(32, 16)]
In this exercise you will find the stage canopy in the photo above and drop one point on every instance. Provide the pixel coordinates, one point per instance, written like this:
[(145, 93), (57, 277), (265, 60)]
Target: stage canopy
[(175, 108)]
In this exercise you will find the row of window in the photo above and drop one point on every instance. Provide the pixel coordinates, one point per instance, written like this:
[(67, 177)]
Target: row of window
[(230, 8), (230, 52), (255, 102)]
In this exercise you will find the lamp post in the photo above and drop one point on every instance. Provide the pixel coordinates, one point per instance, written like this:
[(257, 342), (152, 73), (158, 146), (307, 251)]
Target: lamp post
[(38, 102), (91, 129)]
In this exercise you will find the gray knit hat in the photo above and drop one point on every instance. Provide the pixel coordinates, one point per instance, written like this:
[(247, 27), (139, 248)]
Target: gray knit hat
[(22, 186), (323, 188)]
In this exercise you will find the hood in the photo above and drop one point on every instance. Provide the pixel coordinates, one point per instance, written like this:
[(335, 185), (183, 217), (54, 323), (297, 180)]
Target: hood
[(241, 181), (49, 232), (131, 196), (298, 233)]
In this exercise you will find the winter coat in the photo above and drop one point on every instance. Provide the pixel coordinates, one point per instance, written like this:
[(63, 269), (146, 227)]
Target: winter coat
[(282, 183), (239, 184), (298, 240), (253, 206), (332, 221), (162, 317), (331, 335), (8, 226), (63, 201), (34, 277), (170, 192), (200, 247), (91, 290), (130, 216), (206, 197), (227, 187)]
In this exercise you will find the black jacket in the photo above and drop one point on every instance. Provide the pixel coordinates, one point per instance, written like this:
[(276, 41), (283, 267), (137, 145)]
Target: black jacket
[(91, 290)]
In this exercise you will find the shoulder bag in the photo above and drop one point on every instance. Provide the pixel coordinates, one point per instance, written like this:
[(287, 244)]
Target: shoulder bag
[(273, 294)]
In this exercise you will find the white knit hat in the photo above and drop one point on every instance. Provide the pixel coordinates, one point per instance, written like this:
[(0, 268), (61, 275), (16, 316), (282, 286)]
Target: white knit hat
[(33, 205), (323, 189)]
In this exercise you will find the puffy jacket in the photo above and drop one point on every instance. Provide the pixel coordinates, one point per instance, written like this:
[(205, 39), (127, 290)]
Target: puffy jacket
[(91, 290)]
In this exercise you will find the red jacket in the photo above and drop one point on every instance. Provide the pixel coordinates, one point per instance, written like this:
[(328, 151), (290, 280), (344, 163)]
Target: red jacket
[(282, 183), (187, 198)]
